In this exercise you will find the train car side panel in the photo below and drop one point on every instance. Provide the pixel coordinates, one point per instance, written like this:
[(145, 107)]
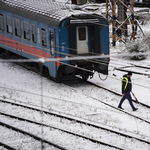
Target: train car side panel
[(64, 49), (104, 40), (26, 43)]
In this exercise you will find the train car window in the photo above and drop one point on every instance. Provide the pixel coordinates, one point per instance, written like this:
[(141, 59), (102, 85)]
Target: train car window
[(26, 30), (52, 42), (17, 27), (43, 37), (9, 24), (34, 33), (1, 22), (82, 33)]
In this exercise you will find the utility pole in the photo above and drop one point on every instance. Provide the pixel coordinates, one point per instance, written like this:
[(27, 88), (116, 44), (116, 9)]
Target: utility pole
[(133, 31), (107, 9), (114, 23), (119, 23), (122, 10)]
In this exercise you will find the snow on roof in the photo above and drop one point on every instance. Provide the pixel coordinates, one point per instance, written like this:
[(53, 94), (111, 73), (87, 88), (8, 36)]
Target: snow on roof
[(47, 8), (42, 7)]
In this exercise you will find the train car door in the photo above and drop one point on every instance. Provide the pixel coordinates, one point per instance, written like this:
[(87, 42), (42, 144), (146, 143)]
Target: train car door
[(82, 40)]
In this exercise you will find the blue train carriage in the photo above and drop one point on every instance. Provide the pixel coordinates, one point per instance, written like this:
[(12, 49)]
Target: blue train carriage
[(37, 30)]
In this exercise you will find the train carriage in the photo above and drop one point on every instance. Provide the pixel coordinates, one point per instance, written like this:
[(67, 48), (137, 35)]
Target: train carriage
[(43, 29)]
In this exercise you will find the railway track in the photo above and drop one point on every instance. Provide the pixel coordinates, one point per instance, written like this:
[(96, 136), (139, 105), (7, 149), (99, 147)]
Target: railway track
[(63, 130), (114, 92), (146, 141), (135, 68), (118, 94), (29, 134), (78, 120), (4, 145), (135, 72)]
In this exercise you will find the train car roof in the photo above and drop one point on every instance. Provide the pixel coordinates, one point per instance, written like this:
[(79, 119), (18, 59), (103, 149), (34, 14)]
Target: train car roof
[(45, 11)]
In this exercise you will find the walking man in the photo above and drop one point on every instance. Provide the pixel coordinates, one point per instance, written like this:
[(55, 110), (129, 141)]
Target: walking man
[(126, 89)]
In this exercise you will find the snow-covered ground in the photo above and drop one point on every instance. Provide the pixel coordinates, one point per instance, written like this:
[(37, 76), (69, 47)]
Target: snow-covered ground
[(76, 101)]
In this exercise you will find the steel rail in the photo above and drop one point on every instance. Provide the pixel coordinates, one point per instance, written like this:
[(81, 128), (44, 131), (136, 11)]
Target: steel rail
[(78, 120), (135, 72), (7, 146), (63, 130), (30, 134), (140, 66)]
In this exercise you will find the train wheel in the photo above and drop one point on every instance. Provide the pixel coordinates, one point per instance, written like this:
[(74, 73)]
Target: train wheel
[(102, 76), (85, 77), (45, 72), (59, 76), (38, 67), (59, 79)]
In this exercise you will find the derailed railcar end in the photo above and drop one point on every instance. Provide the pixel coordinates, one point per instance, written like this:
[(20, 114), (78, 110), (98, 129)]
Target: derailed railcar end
[(85, 35)]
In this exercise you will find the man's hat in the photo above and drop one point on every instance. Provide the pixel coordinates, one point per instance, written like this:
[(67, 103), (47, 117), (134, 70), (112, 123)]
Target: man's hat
[(130, 73)]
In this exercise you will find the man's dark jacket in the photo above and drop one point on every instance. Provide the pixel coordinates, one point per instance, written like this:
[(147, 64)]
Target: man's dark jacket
[(129, 84)]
